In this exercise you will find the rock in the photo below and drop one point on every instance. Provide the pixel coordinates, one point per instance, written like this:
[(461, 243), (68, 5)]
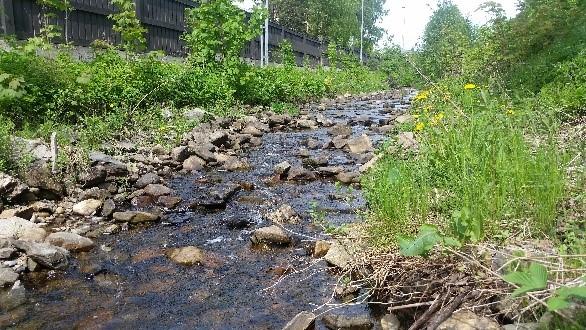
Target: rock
[(252, 131), (179, 154), (407, 140), (403, 119), (338, 255), (330, 170), (24, 212), (301, 321), (7, 184), (348, 177), (467, 320), (217, 197), (205, 151), (87, 207), (219, 139), (390, 322), (370, 164), (321, 248), (194, 114), (270, 235), (187, 256), (339, 141), (169, 202), (276, 120), (157, 190), (147, 179), (337, 321), (193, 163), (93, 176), (340, 130), (323, 120), (45, 254), (13, 298), (70, 241), (285, 214), (299, 173), (6, 253), (306, 124), (312, 143), (135, 217), (232, 164), (41, 177), (522, 326), (108, 208), (282, 168), (318, 161), (360, 144), (7, 277), (238, 223), (93, 193), (113, 166), (21, 229)]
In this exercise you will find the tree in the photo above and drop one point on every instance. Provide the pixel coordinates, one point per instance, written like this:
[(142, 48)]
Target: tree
[(447, 36)]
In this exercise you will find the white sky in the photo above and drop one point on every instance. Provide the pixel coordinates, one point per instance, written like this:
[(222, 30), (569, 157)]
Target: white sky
[(406, 19)]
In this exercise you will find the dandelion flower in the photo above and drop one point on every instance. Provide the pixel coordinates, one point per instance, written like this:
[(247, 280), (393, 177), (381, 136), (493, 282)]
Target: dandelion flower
[(510, 112), (419, 127), (469, 86), (423, 95)]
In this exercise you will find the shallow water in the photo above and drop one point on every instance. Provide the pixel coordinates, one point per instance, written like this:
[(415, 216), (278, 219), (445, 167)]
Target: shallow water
[(127, 282)]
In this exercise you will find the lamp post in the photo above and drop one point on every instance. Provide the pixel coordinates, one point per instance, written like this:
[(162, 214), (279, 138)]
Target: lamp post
[(266, 41), (361, 31)]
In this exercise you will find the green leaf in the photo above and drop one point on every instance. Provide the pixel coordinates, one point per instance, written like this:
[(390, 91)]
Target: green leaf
[(557, 303), (534, 279), (451, 241), (428, 237), (562, 295)]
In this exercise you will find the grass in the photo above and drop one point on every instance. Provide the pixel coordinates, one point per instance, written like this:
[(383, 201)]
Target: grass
[(482, 172)]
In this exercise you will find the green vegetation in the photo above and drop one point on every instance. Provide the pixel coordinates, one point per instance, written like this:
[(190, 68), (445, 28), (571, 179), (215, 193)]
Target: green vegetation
[(118, 95), (499, 155)]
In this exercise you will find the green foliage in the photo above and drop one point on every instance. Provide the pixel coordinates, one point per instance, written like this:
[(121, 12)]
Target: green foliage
[(128, 25), (446, 37), (217, 31), (286, 54), (535, 278), (395, 64), (562, 296), (427, 238), (6, 131), (49, 32)]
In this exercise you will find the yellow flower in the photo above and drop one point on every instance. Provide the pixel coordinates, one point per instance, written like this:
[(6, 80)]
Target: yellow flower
[(469, 86), (510, 112), (437, 119), (419, 127), (416, 116), (423, 95)]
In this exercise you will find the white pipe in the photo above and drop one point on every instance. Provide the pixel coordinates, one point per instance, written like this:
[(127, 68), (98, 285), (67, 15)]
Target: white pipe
[(361, 31), (267, 34)]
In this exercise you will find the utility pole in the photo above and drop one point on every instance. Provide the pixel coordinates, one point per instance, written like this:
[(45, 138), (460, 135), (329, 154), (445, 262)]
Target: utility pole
[(361, 32), (266, 41)]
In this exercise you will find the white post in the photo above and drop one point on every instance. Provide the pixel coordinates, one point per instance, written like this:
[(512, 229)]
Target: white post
[(262, 49), (267, 33), (54, 152), (361, 31)]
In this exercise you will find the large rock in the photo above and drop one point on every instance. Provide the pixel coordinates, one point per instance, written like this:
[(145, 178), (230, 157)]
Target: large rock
[(187, 256), (93, 176), (467, 320), (193, 163), (113, 166), (87, 207), (348, 177), (284, 214), (216, 197), (342, 130), (338, 255), (45, 254), (282, 168), (299, 173), (24, 212), (42, 178), (338, 321), (157, 190), (7, 277), (135, 216), (147, 179), (70, 241), (360, 145), (270, 235), (179, 154), (390, 322), (21, 229), (301, 321), (7, 184), (220, 139)]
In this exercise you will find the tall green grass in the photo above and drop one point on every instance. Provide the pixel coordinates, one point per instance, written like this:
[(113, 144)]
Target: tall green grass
[(481, 171)]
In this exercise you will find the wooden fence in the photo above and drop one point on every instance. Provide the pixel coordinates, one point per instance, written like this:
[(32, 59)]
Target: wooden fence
[(163, 19)]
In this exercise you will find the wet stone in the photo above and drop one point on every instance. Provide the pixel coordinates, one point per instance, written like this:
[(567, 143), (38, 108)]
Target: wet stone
[(339, 321), (186, 256), (216, 197), (87, 207), (301, 321), (157, 190), (135, 217), (169, 202), (70, 241), (270, 235), (298, 173), (45, 254), (7, 276), (147, 179)]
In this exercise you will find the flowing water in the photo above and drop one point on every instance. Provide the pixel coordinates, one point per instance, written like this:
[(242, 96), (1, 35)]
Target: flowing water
[(128, 282)]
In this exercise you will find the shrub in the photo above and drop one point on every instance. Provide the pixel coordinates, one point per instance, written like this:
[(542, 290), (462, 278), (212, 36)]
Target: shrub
[(6, 153)]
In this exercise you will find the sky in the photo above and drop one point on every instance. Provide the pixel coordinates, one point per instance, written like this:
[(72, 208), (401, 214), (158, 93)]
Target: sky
[(406, 19)]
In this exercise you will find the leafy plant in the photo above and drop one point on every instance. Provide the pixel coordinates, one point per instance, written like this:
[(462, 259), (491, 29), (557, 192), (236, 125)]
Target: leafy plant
[(535, 278), (561, 297), (128, 25)]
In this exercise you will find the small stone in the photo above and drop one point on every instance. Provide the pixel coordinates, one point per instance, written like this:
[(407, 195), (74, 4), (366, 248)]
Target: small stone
[(301, 321), (298, 173), (348, 322), (270, 235), (306, 124), (370, 164), (45, 254), (390, 322), (21, 229), (321, 248), (169, 202), (252, 131), (341, 130), (7, 253), (135, 217), (360, 145), (7, 277), (147, 179), (339, 141), (187, 256), (330, 170), (219, 138), (467, 320), (70, 241), (193, 163), (87, 207), (282, 168), (108, 208), (179, 154), (31, 265), (407, 140), (285, 214), (403, 119), (338, 256), (157, 190), (348, 177)]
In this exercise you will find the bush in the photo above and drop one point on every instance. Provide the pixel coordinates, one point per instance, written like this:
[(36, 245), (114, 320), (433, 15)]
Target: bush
[(6, 152), (475, 175)]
